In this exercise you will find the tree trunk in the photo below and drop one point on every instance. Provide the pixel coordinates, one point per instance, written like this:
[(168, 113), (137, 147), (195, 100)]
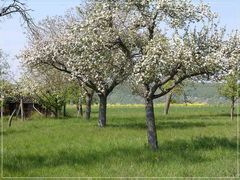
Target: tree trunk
[(167, 103), (11, 117), (22, 110), (2, 101), (46, 113), (64, 110), (232, 108), (37, 110), (1, 111), (79, 107), (18, 111), (102, 110), (88, 105), (56, 113), (151, 127)]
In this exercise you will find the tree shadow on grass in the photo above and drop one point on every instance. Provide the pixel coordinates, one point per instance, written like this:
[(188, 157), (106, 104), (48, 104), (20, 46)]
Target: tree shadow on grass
[(11, 131), (195, 116), (166, 125), (181, 151), (178, 117)]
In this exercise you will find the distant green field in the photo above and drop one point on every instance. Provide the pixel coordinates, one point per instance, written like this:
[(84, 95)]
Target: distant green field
[(194, 141)]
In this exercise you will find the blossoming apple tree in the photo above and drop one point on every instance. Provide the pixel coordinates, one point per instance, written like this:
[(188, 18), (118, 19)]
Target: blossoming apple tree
[(48, 87), (88, 49), (191, 46)]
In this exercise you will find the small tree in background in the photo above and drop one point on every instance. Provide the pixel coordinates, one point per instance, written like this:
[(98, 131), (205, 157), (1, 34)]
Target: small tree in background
[(14, 92), (230, 89), (178, 90), (48, 87), (79, 94), (8, 89), (5, 85)]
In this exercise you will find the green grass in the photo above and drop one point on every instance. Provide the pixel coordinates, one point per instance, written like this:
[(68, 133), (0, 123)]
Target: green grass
[(194, 141)]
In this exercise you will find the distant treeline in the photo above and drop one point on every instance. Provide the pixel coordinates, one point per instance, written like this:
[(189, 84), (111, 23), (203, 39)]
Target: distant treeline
[(195, 92)]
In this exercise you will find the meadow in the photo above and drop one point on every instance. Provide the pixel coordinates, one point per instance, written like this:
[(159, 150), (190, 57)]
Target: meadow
[(194, 141)]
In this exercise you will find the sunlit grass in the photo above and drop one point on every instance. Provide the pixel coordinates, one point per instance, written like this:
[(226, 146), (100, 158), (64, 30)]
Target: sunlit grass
[(194, 141)]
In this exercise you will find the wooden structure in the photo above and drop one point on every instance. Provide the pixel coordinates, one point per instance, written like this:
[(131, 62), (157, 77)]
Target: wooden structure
[(24, 105)]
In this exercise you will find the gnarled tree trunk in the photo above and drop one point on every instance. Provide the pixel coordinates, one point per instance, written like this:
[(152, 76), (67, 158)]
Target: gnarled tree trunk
[(102, 110), (150, 121), (167, 103)]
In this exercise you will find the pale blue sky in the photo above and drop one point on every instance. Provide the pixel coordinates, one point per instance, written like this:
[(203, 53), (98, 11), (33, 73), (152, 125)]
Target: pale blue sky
[(12, 39)]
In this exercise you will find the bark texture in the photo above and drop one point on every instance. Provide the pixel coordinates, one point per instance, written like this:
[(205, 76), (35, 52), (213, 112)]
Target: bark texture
[(89, 97), (151, 127), (79, 107), (102, 110)]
